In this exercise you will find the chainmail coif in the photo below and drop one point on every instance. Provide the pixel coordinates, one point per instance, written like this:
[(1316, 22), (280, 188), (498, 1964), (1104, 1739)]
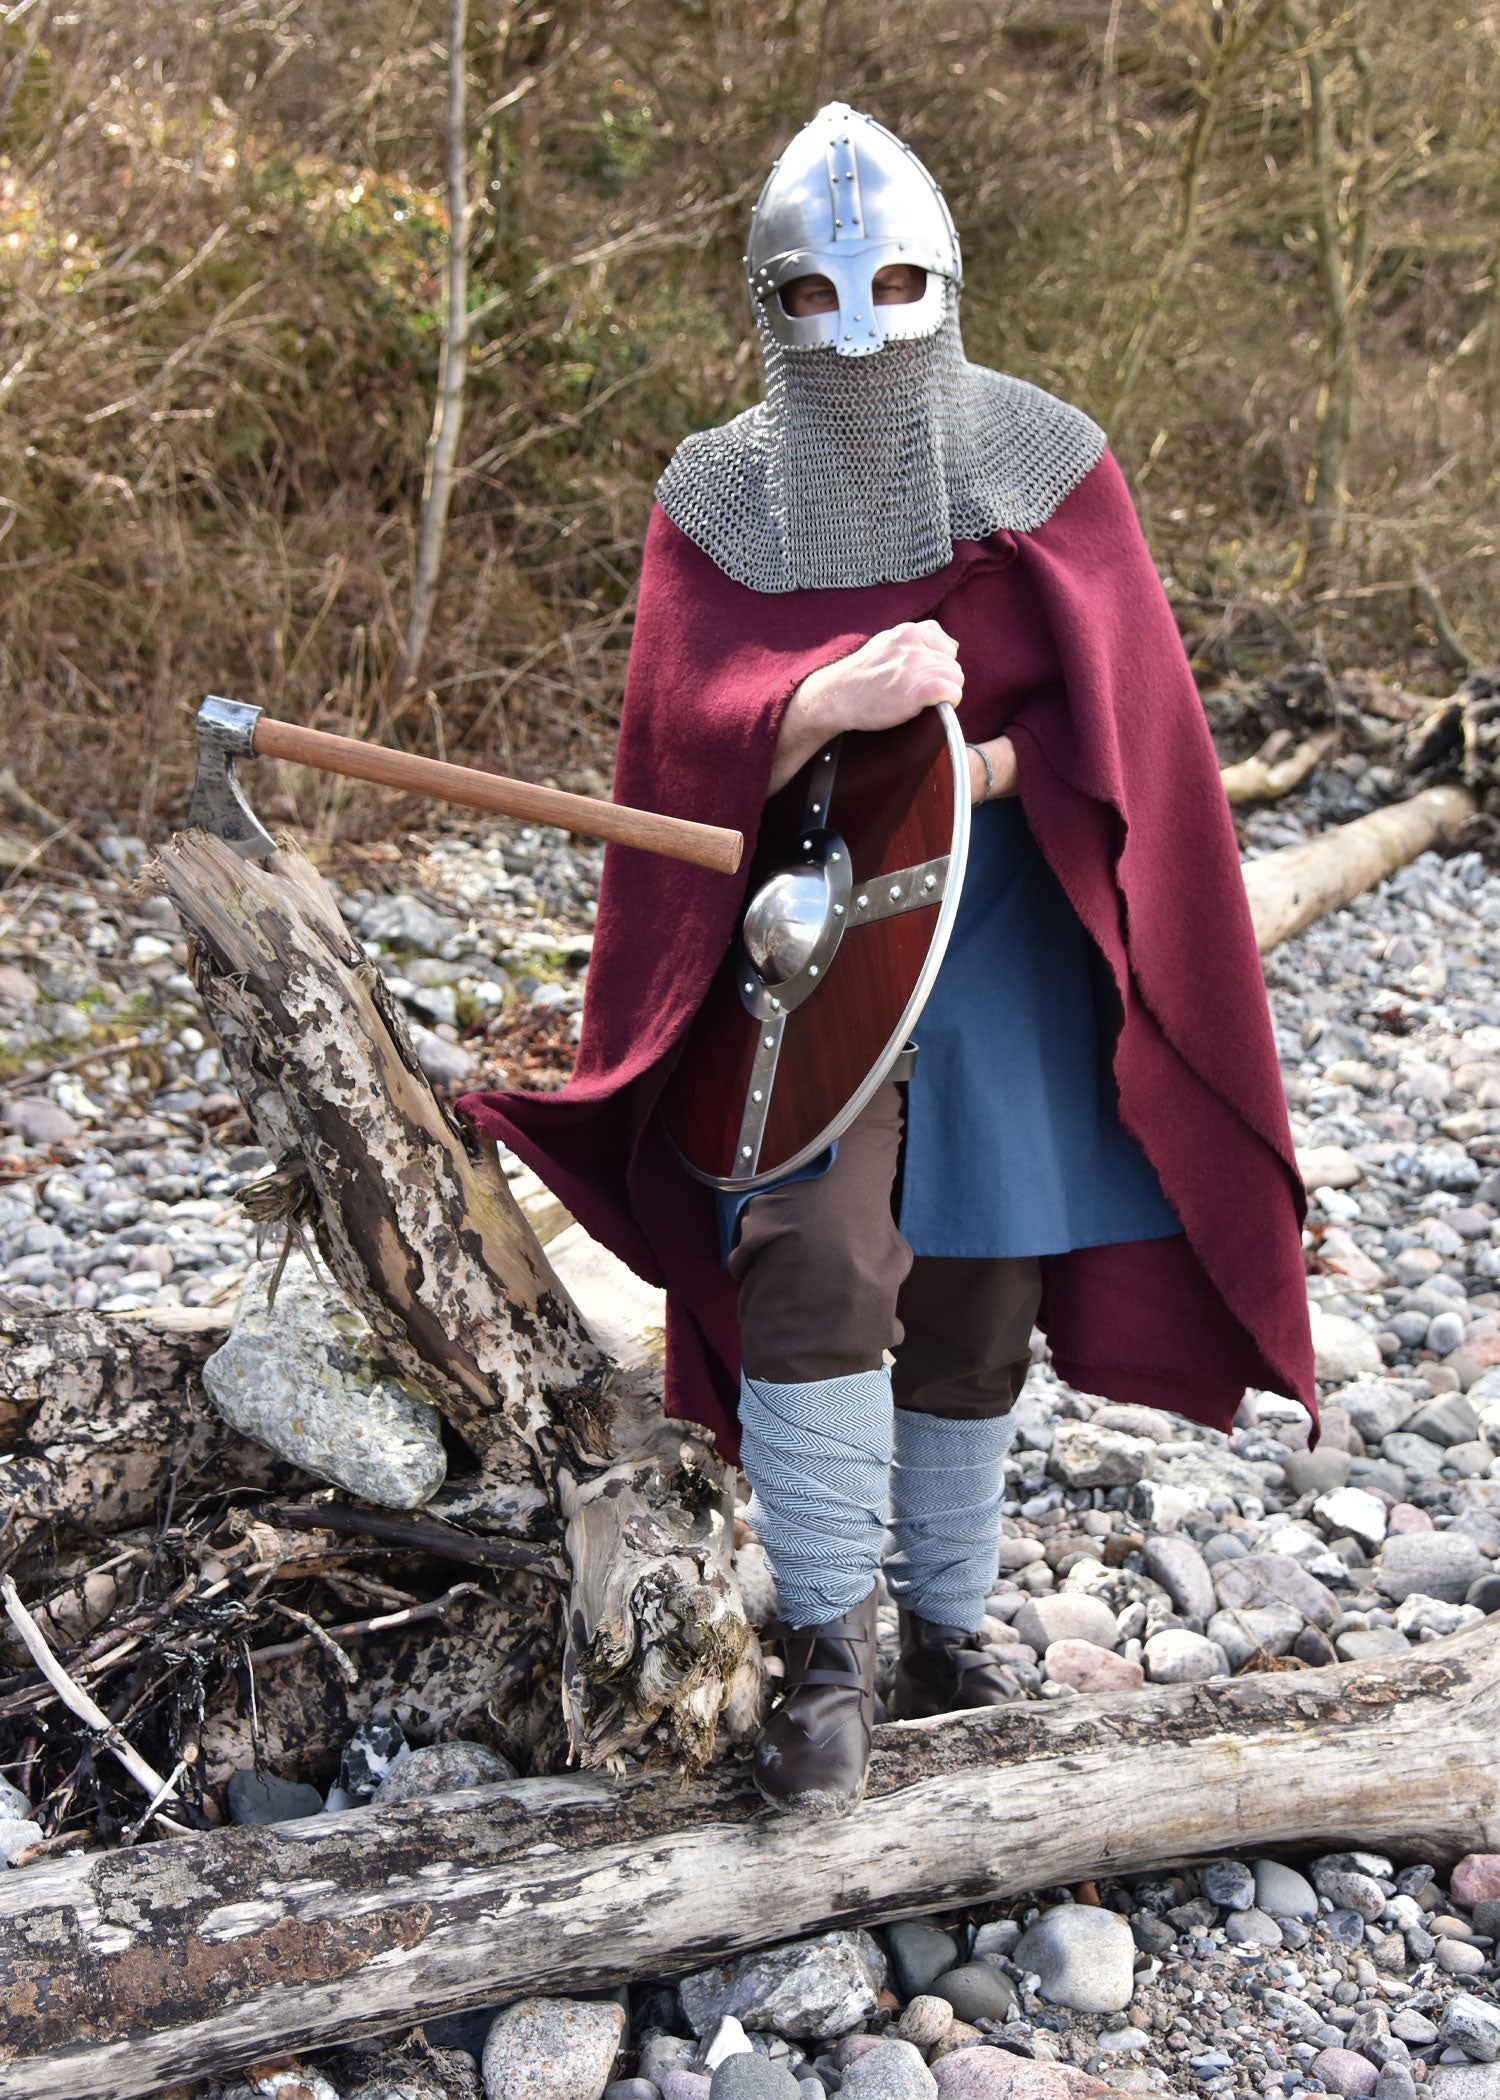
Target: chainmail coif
[(864, 470)]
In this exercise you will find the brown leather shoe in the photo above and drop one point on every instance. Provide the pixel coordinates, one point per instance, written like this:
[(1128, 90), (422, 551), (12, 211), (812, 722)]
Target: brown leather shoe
[(811, 1755), (943, 1670)]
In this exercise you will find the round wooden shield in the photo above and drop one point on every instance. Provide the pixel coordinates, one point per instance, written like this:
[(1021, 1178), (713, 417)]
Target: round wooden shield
[(849, 905)]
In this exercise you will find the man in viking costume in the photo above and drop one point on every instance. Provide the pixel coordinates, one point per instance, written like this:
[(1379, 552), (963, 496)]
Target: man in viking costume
[(1093, 1138)]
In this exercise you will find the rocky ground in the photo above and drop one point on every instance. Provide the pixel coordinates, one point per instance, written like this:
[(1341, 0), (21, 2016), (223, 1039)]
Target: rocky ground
[(1138, 1548)]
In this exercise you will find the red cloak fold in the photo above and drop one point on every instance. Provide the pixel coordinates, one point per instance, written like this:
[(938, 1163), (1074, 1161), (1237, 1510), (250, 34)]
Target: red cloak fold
[(1069, 645)]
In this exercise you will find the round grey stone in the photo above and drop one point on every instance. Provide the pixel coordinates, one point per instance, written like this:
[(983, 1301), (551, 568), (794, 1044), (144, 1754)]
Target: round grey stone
[(443, 1768), (1431, 1564), (1084, 1955), (919, 1951), (1229, 1883), (809, 1990), (976, 1990), (892, 2070), (1176, 1563), (752, 2077), (1282, 1892), (1252, 1928), (1473, 2025), (551, 2049), (256, 1799)]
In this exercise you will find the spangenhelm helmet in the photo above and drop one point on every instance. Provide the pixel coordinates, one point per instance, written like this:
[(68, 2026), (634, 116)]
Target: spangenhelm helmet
[(845, 200)]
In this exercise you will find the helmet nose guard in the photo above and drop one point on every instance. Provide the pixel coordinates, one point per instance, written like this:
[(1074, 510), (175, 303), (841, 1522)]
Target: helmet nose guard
[(845, 200)]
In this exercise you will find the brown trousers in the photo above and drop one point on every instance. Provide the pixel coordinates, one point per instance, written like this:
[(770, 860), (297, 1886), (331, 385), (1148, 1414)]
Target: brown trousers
[(827, 1285)]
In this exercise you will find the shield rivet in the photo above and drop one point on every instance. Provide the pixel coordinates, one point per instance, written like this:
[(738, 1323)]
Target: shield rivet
[(770, 1042), (838, 911), (757, 1095), (812, 969), (860, 903), (895, 892), (745, 1152), (929, 882)]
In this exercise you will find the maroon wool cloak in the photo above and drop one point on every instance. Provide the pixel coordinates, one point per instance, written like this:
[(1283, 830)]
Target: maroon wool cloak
[(1068, 645)]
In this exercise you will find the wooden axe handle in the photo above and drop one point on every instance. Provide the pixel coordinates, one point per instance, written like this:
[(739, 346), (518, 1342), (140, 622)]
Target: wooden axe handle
[(705, 845)]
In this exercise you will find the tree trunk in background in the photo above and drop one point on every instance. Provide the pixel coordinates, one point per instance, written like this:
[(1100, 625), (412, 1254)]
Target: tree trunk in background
[(1289, 889)]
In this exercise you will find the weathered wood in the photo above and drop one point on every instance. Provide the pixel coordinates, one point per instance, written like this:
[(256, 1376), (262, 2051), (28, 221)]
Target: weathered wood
[(98, 1413), (1275, 770), (1289, 889), (122, 1973), (419, 1225)]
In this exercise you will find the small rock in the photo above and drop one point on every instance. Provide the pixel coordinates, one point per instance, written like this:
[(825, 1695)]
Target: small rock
[(1356, 1512), (1418, 1617), (1460, 1958), (633, 2089), (443, 1768), (1473, 2025), (1348, 1889), (1252, 1928), (730, 2039), (925, 2021), (750, 2077), (997, 1937), (679, 2084), (13, 1803), (552, 2049), (445, 1064), (1377, 1407), (1464, 2082), (976, 1990), (1084, 1955), (1365, 1644), (661, 2053), (1451, 1419), (18, 1833), (1413, 2027), (1176, 1563), (1316, 1472), (1484, 1594), (1175, 1656), (1085, 1456), (257, 1798), (919, 1952), (1243, 1633), (1313, 1647), (1275, 1578), (994, 2074), (1435, 1563), (1229, 1883), (1069, 1615), (1342, 2071), (1283, 1892), (1342, 1350), (1476, 1879), (1091, 1669), (892, 2070), (811, 1990), (38, 1122), (300, 1378)]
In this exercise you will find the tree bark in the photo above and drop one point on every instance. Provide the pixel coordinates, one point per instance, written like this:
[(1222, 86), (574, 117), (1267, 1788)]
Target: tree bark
[(124, 1972), (419, 1226), (1289, 889)]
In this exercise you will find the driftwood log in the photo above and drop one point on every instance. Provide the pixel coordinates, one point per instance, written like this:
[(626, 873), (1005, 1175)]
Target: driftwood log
[(124, 1972), (1280, 765), (419, 1226), (1291, 888)]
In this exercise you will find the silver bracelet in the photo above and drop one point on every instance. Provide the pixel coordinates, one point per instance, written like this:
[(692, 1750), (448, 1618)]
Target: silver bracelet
[(989, 772)]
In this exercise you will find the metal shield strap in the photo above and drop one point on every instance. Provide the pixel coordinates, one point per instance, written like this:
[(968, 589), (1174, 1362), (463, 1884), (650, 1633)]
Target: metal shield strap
[(819, 994)]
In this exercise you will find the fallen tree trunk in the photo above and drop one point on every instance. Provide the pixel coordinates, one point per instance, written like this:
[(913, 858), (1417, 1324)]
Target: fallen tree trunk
[(124, 1972), (418, 1224), (1289, 889), (1274, 771)]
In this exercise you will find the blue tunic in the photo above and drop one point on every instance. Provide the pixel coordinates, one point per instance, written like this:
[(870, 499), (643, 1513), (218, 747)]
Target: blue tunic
[(1014, 1144)]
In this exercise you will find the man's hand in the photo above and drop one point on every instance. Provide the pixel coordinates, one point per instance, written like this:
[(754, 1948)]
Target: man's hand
[(1001, 753), (892, 677)]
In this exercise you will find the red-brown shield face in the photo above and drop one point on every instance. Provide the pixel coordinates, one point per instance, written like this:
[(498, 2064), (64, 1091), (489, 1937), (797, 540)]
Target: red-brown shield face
[(848, 908)]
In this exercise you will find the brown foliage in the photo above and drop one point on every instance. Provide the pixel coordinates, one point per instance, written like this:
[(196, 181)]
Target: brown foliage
[(1257, 240)]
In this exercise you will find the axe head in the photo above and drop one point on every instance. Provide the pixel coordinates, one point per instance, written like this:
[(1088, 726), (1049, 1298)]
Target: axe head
[(226, 731)]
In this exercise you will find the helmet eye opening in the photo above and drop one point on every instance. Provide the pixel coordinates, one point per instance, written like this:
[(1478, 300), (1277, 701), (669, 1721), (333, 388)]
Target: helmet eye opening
[(897, 284)]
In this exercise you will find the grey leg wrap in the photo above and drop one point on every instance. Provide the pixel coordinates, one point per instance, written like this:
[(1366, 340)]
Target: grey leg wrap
[(947, 1485), (818, 1457)]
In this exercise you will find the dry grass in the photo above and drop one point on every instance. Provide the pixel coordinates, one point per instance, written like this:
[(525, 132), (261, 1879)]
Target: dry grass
[(220, 244)]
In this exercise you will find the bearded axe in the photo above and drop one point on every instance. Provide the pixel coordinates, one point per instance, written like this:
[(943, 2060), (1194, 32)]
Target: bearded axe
[(230, 729)]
